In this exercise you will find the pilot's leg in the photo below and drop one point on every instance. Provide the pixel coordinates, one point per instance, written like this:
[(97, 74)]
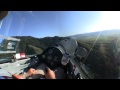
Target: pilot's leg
[(40, 69), (59, 73)]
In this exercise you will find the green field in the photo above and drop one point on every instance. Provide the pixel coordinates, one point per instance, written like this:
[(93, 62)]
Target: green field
[(101, 59)]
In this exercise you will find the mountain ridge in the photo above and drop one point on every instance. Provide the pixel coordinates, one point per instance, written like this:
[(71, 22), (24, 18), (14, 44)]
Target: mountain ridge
[(41, 44)]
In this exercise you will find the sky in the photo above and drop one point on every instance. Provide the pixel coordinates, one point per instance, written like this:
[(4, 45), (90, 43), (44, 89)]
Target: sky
[(57, 23)]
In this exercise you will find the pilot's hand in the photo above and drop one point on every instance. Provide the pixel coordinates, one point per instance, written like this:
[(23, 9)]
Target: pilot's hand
[(49, 74)]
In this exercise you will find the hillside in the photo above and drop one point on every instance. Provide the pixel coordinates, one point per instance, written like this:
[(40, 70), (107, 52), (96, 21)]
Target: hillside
[(102, 47), (31, 45), (101, 60)]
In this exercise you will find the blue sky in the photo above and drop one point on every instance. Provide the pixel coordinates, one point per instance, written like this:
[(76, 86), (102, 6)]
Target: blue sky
[(57, 23)]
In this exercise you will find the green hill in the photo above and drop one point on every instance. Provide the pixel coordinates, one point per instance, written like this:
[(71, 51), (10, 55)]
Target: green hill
[(31, 45)]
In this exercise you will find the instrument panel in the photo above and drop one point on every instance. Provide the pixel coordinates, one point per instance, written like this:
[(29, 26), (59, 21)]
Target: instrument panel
[(52, 57)]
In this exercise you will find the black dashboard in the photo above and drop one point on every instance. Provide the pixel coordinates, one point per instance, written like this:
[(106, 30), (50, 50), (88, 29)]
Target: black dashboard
[(52, 57)]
